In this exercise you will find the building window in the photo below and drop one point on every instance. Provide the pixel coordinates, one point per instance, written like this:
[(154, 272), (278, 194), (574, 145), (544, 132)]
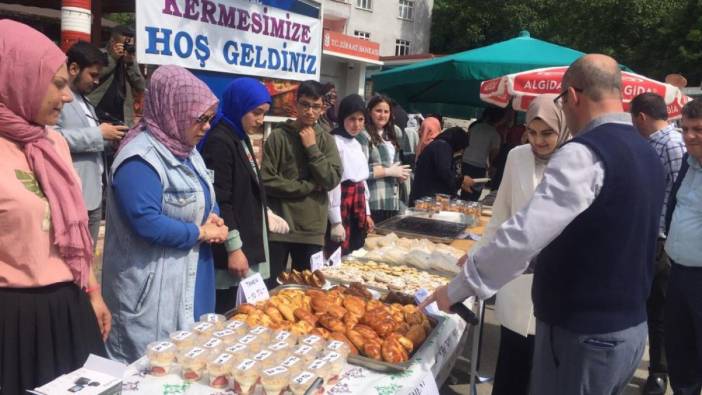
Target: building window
[(406, 9), (362, 35), (365, 4), (402, 47)]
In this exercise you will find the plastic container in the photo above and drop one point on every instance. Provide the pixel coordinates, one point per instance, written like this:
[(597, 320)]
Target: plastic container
[(227, 336), (301, 382), (161, 356), (253, 342), (275, 379), (265, 359), (219, 371), (294, 364), (280, 350), (203, 330), (239, 327), (239, 352), (284, 336), (314, 341), (320, 368), (306, 353), (336, 363), (218, 320), (213, 345), (338, 346), (193, 363), (183, 340), (246, 374), (262, 332)]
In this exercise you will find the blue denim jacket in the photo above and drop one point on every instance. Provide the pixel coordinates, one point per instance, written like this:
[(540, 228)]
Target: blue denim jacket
[(150, 288)]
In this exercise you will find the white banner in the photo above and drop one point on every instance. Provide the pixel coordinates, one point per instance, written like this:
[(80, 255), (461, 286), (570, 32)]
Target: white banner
[(229, 36)]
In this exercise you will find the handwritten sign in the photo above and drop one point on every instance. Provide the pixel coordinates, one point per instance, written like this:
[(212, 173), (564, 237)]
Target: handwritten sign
[(251, 290), (427, 386), (317, 261), (335, 258)]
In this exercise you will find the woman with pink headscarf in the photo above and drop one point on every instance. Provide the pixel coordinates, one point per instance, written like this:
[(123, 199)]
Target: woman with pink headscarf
[(49, 298), (158, 270), (431, 127)]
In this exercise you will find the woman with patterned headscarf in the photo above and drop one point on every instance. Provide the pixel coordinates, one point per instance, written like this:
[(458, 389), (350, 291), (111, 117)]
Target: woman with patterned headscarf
[(47, 286), (158, 275), (547, 131)]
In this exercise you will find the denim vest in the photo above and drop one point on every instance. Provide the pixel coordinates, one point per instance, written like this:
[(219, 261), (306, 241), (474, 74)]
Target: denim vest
[(150, 289)]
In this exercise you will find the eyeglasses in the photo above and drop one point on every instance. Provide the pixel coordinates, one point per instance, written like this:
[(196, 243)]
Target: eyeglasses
[(204, 118), (309, 106), (560, 99)]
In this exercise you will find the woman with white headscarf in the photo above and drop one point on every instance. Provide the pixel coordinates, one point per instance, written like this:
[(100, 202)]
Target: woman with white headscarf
[(546, 131)]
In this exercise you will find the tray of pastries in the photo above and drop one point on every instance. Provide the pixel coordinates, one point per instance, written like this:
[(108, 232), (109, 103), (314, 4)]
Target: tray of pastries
[(379, 336), (384, 277)]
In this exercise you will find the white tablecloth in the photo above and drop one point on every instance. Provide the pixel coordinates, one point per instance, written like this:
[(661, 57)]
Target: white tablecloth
[(433, 360)]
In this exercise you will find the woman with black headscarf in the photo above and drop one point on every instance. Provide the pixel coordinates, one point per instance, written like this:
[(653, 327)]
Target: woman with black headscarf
[(435, 172)]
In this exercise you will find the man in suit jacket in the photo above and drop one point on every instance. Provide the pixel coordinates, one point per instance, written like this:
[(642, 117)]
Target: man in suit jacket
[(86, 137)]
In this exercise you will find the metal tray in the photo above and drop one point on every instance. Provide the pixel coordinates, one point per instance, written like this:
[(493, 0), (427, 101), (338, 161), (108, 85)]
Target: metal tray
[(421, 228), (380, 366)]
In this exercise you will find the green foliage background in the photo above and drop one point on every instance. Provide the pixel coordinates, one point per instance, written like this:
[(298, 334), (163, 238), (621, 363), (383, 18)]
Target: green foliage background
[(652, 37)]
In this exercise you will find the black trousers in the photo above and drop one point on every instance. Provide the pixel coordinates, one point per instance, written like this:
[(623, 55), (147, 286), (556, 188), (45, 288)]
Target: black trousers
[(473, 172), (225, 299), (299, 253), (514, 362), (683, 329), (656, 311)]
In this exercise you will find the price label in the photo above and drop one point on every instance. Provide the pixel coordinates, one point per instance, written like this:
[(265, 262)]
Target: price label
[(246, 364), (312, 340), (248, 339), (162, 346), (210, 318), (317, 261), (262, 355), (302, 350), (236, 348), (303, 378), (291, 361), (335, 258), (252, 290), (279, 346), (235, 324), (317, 363), (282, 336), (331, 356), (194, 352), (422, 294), (223, 358), (203, 326), (258, 330), (275, 370), (223, 333), (182, 335), (335, 345), (212, 343)]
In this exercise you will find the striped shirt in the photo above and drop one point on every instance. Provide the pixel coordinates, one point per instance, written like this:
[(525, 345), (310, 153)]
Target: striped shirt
[(668, 144), (384, 192)]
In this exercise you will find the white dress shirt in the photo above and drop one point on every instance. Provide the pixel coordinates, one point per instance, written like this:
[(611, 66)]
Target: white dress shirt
[(572, 180)]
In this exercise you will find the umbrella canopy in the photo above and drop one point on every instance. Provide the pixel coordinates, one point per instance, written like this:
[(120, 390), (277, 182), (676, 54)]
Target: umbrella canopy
[(455, 79), (521, 88)]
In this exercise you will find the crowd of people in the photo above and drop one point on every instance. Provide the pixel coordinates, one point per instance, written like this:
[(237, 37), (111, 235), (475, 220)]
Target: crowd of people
[(592, 247)]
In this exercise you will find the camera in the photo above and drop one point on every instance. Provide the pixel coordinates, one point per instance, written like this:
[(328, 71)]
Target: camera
[(129, 45)]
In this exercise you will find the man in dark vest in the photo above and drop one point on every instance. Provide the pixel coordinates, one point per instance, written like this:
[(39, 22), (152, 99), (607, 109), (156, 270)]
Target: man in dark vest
[(593, 222)]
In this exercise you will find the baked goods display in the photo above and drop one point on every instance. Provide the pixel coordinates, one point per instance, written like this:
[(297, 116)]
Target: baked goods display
[(243, 358), (313, 279), (385, 277), (420, 253), (368, 327)]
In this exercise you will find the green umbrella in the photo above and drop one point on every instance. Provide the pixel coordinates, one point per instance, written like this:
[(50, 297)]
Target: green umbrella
[(453, 82)]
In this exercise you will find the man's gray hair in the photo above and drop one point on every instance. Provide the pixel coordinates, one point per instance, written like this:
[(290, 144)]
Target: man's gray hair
[(597, 79)]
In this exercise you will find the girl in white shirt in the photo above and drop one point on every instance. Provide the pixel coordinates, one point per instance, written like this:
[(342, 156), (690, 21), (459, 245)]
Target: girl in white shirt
[(349, 212), (546, 131)]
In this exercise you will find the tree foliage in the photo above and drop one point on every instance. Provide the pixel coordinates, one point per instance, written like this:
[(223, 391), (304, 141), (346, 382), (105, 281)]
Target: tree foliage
[(652, 37)]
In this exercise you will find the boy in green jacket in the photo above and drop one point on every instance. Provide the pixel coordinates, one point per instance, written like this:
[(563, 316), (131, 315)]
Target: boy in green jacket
[(300, 165)]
